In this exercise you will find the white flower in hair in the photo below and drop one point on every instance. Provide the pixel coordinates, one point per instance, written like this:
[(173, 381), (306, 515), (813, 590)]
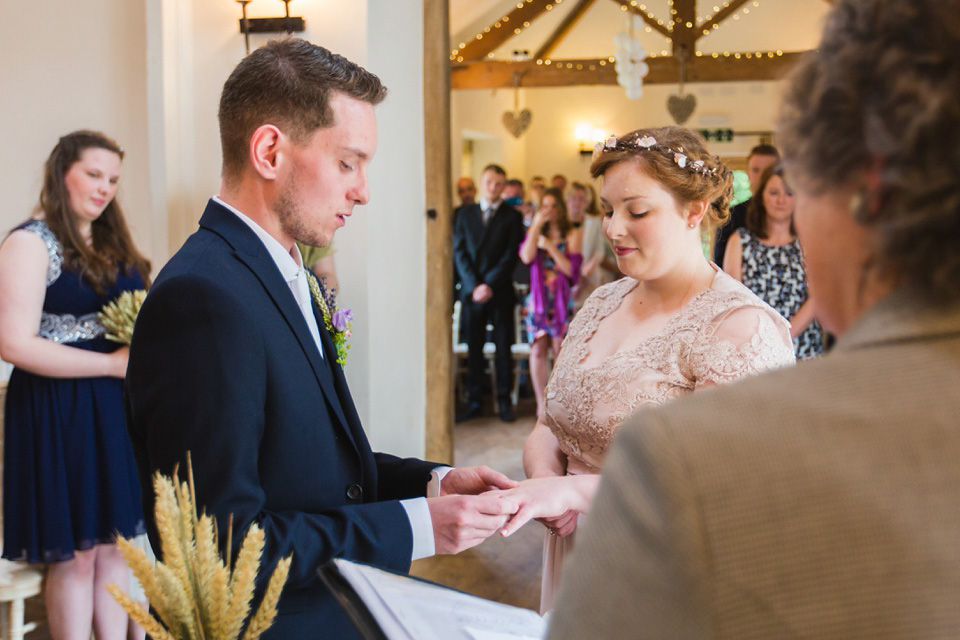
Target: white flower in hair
[(646, 142), (680, 159), (611, 142), (698, 165), (597, 150)]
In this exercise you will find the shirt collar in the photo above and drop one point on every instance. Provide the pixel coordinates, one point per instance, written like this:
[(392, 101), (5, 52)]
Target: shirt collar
[(290, 264), (485, 204)]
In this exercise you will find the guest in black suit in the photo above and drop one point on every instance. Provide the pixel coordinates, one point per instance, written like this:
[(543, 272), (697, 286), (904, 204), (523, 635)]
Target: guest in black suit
[(486, 242), (761, 157), (233, 360)]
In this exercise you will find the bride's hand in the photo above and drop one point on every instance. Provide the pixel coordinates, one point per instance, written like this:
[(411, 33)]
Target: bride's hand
[(562, 526), (551, 497)]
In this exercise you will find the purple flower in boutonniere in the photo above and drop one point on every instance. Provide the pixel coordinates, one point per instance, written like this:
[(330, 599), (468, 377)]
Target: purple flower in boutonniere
[(341, 319), (336, 321)]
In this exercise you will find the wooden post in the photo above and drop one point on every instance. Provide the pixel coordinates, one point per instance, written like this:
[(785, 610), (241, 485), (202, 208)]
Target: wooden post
[(436, 113)]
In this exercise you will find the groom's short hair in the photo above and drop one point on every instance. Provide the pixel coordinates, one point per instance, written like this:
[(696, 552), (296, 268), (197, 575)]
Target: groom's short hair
[(288, 83)]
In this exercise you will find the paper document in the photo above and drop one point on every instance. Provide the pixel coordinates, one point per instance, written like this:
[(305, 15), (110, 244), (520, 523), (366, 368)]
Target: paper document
[(410, 609)]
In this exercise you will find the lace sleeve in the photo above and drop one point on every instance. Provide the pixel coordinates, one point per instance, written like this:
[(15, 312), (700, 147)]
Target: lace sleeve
[(742, 341)]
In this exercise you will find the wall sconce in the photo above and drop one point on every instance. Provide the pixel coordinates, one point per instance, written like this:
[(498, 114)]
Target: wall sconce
[(286, 24), (588, 137)]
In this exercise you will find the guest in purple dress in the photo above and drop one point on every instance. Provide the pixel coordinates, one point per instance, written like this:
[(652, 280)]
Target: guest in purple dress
[(552, 248)]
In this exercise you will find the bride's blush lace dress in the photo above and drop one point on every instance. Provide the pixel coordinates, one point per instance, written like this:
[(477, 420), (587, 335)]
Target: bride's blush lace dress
[(722, 334)]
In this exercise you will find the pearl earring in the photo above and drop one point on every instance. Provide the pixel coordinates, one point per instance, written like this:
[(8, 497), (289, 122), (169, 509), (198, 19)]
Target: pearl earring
[(691, 225)]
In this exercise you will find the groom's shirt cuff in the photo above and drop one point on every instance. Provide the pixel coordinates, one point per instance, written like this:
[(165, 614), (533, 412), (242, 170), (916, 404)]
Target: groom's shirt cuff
[(418, 513)]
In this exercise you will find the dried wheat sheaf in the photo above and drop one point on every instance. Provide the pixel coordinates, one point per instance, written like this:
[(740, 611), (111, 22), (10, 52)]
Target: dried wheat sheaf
[(194, 593)]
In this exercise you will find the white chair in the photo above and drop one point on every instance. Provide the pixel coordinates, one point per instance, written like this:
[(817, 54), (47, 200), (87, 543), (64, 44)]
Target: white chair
[(519, 351), (460, 354), (15, 587)]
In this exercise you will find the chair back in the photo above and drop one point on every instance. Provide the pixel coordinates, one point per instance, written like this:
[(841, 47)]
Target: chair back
[(456, 323)]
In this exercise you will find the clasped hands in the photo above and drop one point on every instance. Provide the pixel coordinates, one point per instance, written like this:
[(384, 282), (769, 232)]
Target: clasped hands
[(475, 502)]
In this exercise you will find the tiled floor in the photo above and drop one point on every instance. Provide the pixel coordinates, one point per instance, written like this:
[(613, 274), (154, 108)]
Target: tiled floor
[(502, 570)]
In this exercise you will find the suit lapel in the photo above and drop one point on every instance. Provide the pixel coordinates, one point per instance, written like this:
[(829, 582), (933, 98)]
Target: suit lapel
[(250, 250), (342, 402), (474, 217)]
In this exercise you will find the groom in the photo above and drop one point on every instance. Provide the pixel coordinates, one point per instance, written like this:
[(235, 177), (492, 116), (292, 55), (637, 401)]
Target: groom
[(233, 362)]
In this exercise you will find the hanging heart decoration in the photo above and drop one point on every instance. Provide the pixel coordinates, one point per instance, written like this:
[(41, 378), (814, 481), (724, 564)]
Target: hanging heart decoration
[(681, 107), (517, 122)]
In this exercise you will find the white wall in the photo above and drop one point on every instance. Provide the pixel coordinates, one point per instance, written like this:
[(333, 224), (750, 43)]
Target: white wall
[(549, 146), (149, 72), (67, 66), (478, 114), (380, 253), (381, 256)]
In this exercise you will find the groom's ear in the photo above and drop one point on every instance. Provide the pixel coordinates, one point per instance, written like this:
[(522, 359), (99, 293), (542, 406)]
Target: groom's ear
[(265, 151)]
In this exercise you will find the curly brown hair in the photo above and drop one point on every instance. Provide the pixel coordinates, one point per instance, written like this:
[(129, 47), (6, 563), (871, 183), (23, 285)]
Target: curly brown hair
[(756, 219), (715, 185), (881, 93), (112, 245)]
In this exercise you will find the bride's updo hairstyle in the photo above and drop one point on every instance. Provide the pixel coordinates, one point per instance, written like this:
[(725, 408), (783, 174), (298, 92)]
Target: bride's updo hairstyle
[(882, 93), (678, 159)]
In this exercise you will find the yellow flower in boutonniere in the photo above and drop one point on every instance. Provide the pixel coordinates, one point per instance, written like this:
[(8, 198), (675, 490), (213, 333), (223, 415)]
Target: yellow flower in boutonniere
[(336, 321)]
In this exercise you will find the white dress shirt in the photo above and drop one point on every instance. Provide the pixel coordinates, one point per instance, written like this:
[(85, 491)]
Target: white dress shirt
[(487, 209), (292, 271)]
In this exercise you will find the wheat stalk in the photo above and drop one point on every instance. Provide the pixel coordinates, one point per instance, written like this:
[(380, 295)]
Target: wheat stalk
[(140, 615), (182, 606), (268, 606), (167, 514), (143, 569), (243, 580)]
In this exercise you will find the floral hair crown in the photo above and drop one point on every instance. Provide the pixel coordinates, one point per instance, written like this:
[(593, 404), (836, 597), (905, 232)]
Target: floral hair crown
[(649, 143)]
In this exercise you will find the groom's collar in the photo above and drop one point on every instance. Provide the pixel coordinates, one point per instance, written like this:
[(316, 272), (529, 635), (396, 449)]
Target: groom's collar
[(290, 264)]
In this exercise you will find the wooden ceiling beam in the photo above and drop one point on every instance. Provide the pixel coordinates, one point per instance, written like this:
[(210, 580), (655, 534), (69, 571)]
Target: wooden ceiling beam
[(719, 17), (494, 36), (683, 35), (647, 17), (569, 22), (568, 73)]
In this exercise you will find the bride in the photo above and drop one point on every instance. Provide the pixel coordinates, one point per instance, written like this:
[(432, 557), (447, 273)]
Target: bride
[(676, 324)]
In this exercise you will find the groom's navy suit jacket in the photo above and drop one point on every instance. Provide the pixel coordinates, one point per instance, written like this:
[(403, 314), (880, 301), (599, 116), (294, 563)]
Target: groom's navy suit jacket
[(223, 365)]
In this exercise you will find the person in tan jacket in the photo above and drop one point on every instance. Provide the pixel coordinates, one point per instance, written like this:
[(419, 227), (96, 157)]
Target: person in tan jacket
[(821, 501)]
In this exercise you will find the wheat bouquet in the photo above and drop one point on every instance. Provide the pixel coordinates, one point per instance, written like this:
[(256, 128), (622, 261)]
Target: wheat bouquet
[(119, 316), (194, 593)]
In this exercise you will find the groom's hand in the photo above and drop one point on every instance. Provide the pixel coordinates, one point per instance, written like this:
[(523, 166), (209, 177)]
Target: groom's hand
[(461, 522), (473, 481)]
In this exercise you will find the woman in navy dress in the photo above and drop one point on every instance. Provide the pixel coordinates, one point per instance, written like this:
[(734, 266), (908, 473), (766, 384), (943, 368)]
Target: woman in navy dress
[(766, 257), (70, 478)]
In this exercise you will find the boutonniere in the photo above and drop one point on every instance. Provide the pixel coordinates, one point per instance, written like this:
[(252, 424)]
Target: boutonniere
[(337, 321)]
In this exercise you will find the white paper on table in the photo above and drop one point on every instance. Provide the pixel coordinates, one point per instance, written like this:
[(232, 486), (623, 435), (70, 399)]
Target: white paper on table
[(482, 634), (409, 609)]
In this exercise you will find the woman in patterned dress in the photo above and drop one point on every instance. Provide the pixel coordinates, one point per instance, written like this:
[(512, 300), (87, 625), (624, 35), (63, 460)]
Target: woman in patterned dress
[(552, 249), (676, 324), (766, 257), (70, 479)]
